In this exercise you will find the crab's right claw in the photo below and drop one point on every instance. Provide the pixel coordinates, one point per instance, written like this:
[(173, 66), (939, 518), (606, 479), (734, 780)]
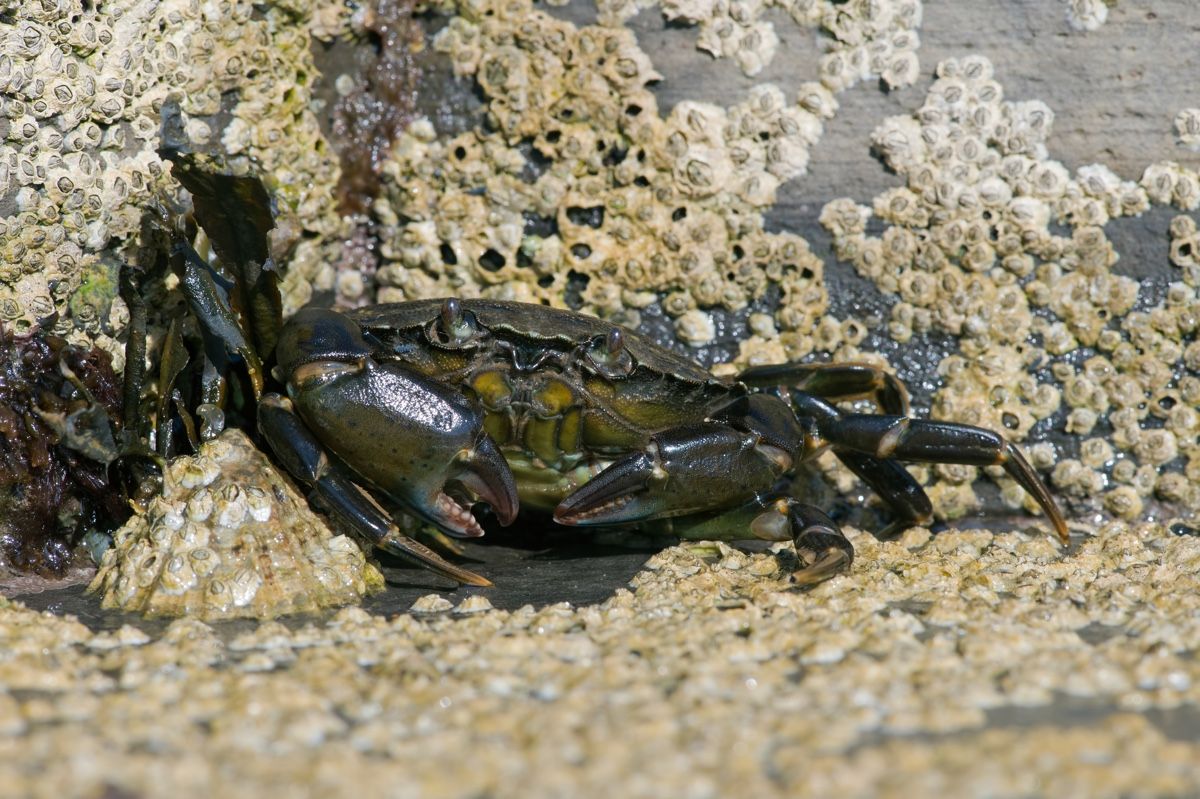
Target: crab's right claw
[(301, 455), (484, 473), (408, 435)]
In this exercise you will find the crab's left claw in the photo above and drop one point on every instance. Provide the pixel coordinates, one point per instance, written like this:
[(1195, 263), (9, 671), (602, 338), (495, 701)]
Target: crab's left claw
[(684, 470), (408, 435)]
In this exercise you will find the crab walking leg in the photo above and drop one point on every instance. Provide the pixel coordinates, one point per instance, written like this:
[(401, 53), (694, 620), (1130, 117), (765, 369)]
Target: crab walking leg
[(303, 457), (905, 439), (818, 541), (835, 382), (895, 486)]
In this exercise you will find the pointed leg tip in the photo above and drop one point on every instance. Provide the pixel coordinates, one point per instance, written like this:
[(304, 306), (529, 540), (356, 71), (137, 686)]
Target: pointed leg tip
[(829, 564)]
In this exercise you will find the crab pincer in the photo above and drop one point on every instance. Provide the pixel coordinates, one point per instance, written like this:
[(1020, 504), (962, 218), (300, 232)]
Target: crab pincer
[(400, 432)]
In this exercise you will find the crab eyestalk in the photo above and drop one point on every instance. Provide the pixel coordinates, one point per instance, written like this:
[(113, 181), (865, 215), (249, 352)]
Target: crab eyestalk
[(410, 437)]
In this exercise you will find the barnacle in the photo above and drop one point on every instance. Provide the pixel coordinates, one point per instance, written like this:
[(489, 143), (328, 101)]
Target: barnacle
[(876, 38), (229, 537), (1087, 15), (1187, 126)]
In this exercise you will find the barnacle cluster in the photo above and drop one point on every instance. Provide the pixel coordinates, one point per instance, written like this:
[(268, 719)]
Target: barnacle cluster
[(970, 249), (866, 38), (82, 89), (229, 537), (579, 192), (56, 403)]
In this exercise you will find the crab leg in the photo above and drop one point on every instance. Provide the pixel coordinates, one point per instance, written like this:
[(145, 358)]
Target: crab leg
[(301, 454), (902, 438), (776, 516), (819, 542), (895, 486), (835, 382)]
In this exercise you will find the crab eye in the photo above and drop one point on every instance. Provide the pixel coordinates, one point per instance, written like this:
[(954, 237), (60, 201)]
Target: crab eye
[(454, 327), (608, 356)]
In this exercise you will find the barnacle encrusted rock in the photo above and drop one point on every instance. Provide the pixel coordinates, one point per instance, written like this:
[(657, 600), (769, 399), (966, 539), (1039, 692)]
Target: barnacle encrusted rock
[(230, 538), (1043, 321), (82, 88), (967, 663), (867, 38), (579, 192)]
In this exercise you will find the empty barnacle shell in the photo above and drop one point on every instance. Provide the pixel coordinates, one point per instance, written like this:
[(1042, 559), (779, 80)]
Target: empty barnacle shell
[(230, 537)]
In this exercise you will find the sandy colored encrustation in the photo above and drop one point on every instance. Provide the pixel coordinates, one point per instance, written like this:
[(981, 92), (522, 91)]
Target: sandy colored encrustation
[(708, 677), (230, 537)]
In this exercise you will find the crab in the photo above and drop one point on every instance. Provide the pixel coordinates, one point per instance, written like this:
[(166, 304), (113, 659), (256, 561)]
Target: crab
[(445, 403), (440, 404)]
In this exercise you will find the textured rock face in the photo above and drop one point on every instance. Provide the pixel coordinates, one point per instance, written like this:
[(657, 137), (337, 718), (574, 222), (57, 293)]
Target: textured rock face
[(230, 538), (969, 664), (82, 87)]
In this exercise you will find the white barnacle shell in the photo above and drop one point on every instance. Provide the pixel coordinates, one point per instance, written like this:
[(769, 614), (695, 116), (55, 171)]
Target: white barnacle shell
[(1158, 180), (901, 68), (702, 171), (1049, 179), (1097, 180), (1029, 213), (695, 328), (948, 93), (696, 123), (901, 142), (798, 123), (994, 192), (817, 99), (200, 505), (1086, 15), (242, 543), (756, 48), (787, 158), (766, 101), (1187, 126), (1186, 195), (1032, 115), (975, 68), (844, 217)]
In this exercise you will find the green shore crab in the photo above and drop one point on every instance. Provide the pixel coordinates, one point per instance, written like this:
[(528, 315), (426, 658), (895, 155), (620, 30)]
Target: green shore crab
[(442, 403)]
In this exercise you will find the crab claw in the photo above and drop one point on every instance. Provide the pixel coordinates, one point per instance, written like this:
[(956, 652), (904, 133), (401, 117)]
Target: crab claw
[(483, 475), (413, 438), (684, 470)]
